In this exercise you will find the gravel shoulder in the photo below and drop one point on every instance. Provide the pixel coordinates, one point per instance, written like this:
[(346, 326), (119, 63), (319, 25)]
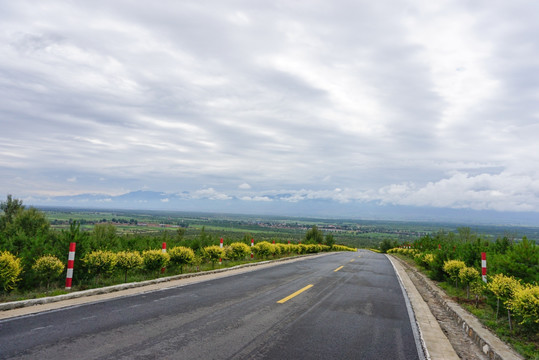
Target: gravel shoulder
[(468, 337)]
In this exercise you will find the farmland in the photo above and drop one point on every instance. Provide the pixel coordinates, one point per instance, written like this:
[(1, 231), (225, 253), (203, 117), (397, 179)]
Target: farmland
[(356, 233)]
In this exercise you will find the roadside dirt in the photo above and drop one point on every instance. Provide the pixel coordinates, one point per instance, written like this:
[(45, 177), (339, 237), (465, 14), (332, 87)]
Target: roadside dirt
[(463, 345)]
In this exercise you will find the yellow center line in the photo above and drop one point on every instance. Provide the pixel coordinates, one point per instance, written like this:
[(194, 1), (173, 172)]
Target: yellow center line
[(337, 269), (352, 260), (282, 301)]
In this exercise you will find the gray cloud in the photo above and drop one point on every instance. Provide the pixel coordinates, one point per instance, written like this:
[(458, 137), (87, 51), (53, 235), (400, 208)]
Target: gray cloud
[(409, 103)]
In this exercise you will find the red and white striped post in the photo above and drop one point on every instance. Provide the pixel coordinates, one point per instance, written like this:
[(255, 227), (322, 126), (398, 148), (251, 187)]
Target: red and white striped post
[(70, 263), (484, 266), (439, 246), (163, 250), (252, 244), (221, 246)]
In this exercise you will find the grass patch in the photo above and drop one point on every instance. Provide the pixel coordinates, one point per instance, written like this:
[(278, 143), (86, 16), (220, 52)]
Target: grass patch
[(525, 343)]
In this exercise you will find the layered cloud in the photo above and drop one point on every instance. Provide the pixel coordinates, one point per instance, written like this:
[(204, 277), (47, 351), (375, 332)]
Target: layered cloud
[(395, 102)]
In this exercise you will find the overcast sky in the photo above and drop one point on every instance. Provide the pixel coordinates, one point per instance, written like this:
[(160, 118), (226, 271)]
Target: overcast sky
[(422, 103)]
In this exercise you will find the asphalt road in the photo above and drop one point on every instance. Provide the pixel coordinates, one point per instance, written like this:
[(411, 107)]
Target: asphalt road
[(351, 306)]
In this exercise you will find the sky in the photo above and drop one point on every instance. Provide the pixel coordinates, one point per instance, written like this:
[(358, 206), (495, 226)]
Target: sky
[(427, 104)]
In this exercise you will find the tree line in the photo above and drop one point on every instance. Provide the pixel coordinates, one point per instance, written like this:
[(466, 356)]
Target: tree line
[(33, 254)]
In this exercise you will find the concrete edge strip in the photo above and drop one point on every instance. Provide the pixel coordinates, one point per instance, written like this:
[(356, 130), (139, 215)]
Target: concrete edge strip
[(108, 289), (471, 328), (416, 329)]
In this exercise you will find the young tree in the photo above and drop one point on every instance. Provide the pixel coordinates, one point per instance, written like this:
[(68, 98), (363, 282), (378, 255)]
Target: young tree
[(263, 249), (48, 268), (330, 240), (503, 287), (213, 253), (385, 245), (103, 237), (466, 276), (452, 268), (477, 288), (155, 260), (239, 250), (525, 305), (128, 260), (10, 207), (314, 236), (99, 263), (181, 255)]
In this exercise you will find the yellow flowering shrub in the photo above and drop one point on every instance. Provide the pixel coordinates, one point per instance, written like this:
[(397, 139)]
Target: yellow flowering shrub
[(452, 268), (525, 305), (48, 268), (10, 269)]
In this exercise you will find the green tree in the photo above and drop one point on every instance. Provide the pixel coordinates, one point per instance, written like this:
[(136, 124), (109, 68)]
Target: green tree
[(10, 207), (520, 261), (48, 268), (330, 240), (385, 245), (314, 236), (104, 237), (180, 233), (10, 269), (25, 232)]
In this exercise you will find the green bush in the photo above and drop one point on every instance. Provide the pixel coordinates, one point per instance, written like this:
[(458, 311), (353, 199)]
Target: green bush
[(181, 255), (128, 260), (10, 269), (154, 260), (48, 268)]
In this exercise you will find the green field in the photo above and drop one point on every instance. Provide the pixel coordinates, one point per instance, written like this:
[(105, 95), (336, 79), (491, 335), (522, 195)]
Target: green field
[(356, 233)]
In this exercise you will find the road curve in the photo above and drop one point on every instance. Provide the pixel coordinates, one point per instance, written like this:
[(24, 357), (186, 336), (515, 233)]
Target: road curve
[(338, 306)]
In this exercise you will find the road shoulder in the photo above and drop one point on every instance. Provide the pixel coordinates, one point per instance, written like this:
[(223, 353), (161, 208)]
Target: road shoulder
[(436, 343)]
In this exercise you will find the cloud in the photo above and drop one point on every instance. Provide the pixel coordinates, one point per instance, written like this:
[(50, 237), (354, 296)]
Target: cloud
[(210, 194), (255, 198), (400, 102), (501, 192)]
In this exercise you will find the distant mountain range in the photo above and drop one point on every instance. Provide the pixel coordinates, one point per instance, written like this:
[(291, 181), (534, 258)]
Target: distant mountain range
[(277, 205)]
